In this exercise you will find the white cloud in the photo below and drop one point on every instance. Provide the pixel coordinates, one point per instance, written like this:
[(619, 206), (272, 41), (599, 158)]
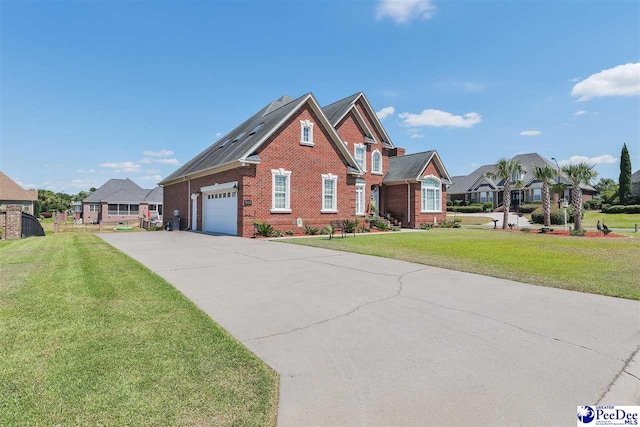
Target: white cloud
[(154, 178), (122, 166), (417, 135), (623, 80), (385, 112), (438, 118), (403, 11), (579, 113), (575, 79), (530, 132), (161, 153), (218, 133), (598, 160), (167, 161), (86, 171)]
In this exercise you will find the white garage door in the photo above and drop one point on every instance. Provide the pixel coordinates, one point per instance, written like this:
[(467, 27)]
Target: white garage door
[(221, 212)]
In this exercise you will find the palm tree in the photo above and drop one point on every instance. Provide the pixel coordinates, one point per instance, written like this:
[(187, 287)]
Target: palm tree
[(503, 171), (578, 174), (545, 174)]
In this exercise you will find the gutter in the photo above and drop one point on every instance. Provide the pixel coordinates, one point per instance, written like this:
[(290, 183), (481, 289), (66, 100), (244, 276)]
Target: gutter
[(408, 202)]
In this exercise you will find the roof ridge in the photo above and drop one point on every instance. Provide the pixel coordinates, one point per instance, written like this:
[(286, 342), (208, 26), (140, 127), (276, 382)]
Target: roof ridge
[(412, 154), (342, 99), (276, 109)]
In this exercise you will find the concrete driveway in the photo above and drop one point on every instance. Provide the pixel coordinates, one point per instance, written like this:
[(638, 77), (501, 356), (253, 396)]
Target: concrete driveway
[(360, 340)]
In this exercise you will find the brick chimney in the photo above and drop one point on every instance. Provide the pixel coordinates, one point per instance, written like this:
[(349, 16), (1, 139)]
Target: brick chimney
[(396, 152)]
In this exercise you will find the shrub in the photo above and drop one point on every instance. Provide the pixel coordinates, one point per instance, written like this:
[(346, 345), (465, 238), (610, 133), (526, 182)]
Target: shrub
[(155, 228), (629, 209), (578, 232), (327, 229), (380, 225), (557, 216), (593, 204), (263, 229), (311, 231), (487, 207), (363, 229), (457, 203), (449, 203), (511, 225), (529, 207), (426, 226), (289, 233), (349, 225), (466, 209), (525, 229)]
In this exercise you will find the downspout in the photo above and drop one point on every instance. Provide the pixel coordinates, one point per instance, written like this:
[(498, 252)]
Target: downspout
[(189, 206), (408, 203)]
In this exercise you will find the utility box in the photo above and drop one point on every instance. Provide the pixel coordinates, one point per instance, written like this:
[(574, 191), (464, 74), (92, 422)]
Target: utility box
[(175, 223)]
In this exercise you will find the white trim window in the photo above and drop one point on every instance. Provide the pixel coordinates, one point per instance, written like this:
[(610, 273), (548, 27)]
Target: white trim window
[(360, 198), (94, 207), (376, 162), (329, 193), (359, 153), (537, 194), (431, 195), (280, 191), (306, 133)]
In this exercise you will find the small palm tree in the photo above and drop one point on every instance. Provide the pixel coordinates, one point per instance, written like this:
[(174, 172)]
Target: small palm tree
[(545, 174), (503, 171), (578, 174)]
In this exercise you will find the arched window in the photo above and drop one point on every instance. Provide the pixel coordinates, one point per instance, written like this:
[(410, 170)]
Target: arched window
[(376, 162), (431, 195)]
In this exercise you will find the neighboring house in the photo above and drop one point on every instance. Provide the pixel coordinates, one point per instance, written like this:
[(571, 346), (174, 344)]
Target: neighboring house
[(122, 200), (294, 163), (635, 184), (478, 187), (13, 194)]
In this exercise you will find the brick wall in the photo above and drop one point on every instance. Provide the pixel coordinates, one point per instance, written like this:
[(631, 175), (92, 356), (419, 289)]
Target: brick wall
[(2, 226), (13, 222)]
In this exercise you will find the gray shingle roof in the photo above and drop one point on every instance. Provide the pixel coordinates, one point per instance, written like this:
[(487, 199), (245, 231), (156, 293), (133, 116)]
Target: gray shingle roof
[(125, 191), (462, 183), (407, 167), (230, 147), (338, 109), (636, 176)]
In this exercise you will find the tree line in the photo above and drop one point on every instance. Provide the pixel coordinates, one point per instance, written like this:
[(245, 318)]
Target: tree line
[(49, 201)]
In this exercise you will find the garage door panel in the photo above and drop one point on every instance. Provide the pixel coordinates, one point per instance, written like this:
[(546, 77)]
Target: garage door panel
[(221, 212)]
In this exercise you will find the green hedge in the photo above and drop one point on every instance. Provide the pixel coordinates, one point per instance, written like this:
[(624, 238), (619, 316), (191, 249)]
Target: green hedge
[(465, 209), (630, 209), (557, 216), (592, 204), (529, 207)]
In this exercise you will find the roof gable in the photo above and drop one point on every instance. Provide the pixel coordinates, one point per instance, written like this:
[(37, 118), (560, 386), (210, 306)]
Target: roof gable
[(10, 190), (122, 190), (411, 167), (241, 144)]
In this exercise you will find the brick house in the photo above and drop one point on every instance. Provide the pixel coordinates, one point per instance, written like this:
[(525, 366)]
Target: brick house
[(13, 194), (121, 200), (477, 187), (294, 163)]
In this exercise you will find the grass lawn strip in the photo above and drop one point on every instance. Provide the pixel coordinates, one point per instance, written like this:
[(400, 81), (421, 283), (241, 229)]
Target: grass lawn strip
[(600, 266), (91, 336)]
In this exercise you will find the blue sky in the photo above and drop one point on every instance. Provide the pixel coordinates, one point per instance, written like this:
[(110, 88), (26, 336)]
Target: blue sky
[(112, 89)]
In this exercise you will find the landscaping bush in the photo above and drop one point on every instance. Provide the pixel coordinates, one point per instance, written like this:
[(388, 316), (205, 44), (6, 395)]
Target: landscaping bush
[(426, 226), (277, 233), (529, 207), (487, 207), (380, 225), (349, 225), (557, 216), (457, 203), (593, 204), (311, 231), (265, 230), (449, 203), (629, 209), (289, 232), (327, 229), (578, 232), (466, 209)]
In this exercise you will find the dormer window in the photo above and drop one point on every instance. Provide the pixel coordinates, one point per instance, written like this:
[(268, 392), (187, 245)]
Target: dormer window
[(359, 151), (516, 176), (306, 133)]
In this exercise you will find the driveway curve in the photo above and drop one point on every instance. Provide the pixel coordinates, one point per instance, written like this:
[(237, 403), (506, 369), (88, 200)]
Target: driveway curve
[(360, 340)]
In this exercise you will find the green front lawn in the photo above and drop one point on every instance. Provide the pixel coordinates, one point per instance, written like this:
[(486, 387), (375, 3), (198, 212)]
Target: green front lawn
[(621, 220), (470, 220), (91, 337), (603, 266)]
